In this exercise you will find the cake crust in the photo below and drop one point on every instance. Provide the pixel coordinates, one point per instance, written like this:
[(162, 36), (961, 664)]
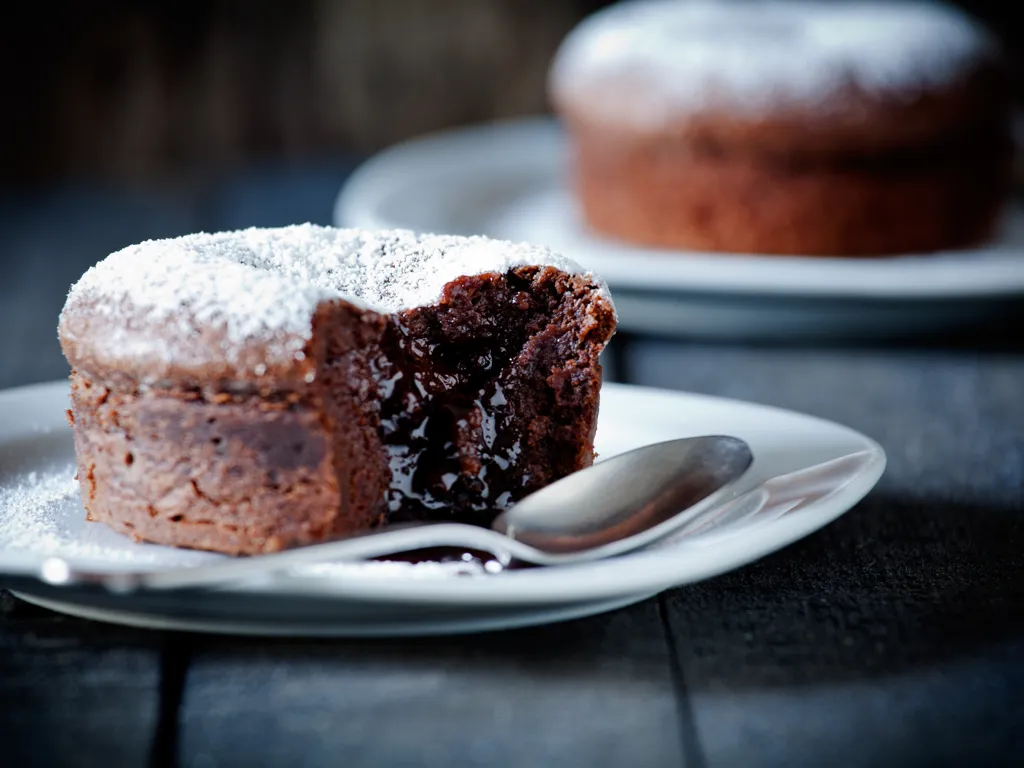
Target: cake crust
[(667, 193)]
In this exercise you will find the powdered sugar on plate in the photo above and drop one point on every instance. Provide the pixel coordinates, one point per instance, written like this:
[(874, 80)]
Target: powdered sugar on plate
[(30, 510)]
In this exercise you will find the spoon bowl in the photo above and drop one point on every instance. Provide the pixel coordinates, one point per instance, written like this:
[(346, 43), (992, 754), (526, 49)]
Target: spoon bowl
[(628, 501)]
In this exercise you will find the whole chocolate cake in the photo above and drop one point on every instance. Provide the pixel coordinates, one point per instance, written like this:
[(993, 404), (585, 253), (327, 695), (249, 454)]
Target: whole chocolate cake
[(250, 391), (787, 127)]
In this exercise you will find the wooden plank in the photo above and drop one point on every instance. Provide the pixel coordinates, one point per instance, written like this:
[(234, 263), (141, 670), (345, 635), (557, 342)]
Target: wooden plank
[(73, 692), (594, 692), (893, 637), (896, 635)]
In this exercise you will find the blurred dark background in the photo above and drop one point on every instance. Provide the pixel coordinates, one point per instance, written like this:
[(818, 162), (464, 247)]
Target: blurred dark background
[(138, 92), (125, 121), (141, 92)]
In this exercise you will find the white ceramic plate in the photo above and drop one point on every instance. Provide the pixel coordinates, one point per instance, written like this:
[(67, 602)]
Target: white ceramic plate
[(806, 472), (507, 180)]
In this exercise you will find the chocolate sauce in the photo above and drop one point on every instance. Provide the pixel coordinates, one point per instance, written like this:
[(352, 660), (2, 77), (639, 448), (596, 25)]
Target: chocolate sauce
[(447, 427)]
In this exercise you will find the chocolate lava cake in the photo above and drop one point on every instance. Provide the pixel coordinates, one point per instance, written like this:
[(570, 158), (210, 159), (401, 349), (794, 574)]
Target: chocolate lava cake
[(246, 392), (851, 128)]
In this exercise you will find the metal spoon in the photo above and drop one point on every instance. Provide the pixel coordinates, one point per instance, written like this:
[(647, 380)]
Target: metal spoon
[(612, 507)]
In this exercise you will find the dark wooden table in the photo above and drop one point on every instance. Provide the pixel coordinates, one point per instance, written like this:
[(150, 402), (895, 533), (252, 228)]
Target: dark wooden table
[(894, 636)]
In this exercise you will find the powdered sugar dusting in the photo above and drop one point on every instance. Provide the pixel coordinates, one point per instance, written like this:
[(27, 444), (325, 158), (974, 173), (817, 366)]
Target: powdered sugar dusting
[(265, 284), (396, 569), (752, 55), (41, 513), (42, 493)]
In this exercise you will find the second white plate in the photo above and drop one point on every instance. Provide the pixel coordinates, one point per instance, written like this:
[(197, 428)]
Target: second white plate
[(507, 180)]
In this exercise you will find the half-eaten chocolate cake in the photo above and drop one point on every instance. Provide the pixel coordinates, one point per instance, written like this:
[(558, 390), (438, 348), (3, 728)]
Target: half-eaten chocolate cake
[(250, 391)]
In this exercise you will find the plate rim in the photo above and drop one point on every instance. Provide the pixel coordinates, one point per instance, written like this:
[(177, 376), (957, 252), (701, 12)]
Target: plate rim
[(525, 616), (372, 182), (517, 587)]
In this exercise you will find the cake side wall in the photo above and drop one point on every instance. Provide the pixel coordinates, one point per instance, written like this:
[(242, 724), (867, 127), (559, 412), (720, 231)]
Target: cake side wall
[(559, 377), (668, 192), (346, 346), (238, 476)]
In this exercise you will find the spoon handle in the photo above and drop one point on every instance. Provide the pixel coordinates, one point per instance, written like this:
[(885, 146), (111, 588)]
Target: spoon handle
[(393, 541)]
